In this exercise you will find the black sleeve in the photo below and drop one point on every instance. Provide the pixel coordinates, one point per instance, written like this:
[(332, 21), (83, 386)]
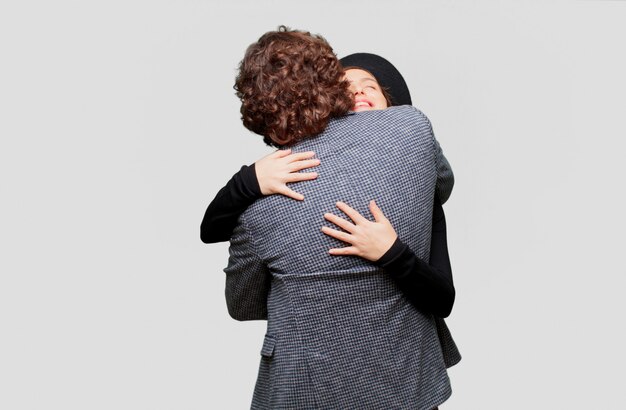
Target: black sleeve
[(429, 287), (230, 202)]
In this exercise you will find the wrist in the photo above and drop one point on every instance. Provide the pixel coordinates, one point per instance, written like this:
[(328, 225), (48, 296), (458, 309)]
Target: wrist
[(393, 252)]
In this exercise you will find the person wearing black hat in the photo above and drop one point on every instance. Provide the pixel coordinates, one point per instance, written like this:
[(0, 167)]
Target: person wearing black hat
[(396, 89), (428, 286), (386, 74), (404, 263)]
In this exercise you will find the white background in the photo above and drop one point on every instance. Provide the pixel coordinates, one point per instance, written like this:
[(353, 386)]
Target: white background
[(119, 124)]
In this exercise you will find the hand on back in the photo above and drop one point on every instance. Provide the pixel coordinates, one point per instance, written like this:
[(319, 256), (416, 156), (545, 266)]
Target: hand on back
[(276, 170), (368, 239)]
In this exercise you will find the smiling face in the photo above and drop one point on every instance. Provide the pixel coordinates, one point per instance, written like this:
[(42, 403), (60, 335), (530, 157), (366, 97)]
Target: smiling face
[(367, 92)]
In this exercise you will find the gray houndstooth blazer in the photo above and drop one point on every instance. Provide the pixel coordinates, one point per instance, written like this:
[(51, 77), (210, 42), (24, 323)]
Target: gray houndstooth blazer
[(340, 333)]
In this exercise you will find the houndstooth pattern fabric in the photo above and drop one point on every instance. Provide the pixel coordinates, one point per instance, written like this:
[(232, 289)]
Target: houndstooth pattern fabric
[(340, 332), (445, 177)]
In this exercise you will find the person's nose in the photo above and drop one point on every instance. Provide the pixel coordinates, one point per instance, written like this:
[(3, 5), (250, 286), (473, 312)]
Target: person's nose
[(358, 90)]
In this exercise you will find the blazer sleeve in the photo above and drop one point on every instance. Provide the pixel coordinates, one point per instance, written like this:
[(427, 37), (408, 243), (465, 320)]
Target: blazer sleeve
[(445, 177), (247, 277)]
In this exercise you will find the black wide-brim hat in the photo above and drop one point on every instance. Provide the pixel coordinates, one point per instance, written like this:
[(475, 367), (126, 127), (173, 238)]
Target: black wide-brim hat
[(386, 74)]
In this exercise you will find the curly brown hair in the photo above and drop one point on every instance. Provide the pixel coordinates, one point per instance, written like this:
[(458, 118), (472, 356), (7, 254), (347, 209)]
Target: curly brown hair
[(290, 84)]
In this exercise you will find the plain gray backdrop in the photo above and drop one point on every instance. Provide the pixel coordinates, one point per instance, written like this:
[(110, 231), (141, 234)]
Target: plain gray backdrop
[(119, 124)]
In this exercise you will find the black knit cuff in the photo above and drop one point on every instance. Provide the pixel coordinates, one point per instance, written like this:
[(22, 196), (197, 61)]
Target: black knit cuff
[(250, 180), (397, 249)]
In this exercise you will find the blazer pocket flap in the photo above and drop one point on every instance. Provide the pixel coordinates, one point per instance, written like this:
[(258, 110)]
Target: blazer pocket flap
[(268, 346)]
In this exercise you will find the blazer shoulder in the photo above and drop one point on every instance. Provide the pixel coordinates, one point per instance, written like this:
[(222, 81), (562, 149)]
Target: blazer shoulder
[(408, 114), (410, 119)]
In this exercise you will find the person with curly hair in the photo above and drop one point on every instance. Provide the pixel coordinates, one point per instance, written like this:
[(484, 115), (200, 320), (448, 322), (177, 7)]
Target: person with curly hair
[(299, 88), (284, 122)]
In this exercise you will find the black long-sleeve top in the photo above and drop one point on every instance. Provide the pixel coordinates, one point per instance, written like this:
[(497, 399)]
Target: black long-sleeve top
[(429, 287)]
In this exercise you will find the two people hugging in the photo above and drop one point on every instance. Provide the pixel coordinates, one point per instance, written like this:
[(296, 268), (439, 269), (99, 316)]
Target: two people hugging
[(338, 238)]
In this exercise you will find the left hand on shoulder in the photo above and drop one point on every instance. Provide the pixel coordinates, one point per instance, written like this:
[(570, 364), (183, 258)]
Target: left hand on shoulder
[(369, 240)]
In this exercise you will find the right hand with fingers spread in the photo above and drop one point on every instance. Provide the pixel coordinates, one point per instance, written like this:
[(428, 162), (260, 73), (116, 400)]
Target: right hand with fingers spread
[(279, 168)]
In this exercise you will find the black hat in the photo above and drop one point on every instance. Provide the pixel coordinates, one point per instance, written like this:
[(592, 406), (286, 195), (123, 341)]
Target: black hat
[(386, 74)]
